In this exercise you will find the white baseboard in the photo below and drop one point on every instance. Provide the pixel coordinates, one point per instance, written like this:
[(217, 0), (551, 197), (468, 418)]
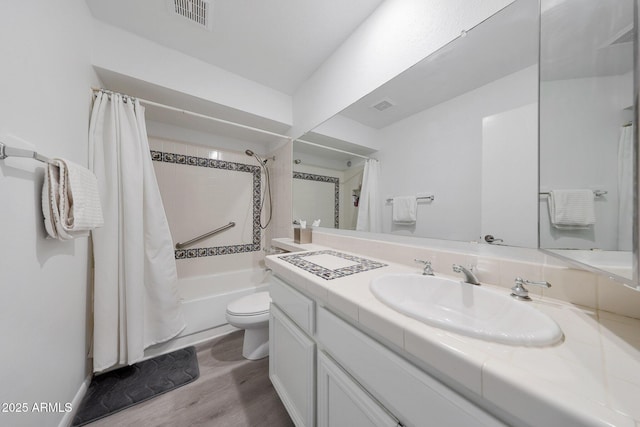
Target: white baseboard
[(75, 403)]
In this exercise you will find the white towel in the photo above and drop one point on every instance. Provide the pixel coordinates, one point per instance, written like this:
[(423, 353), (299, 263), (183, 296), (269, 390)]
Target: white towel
[(571, 209), (70, 200), (404, 209)]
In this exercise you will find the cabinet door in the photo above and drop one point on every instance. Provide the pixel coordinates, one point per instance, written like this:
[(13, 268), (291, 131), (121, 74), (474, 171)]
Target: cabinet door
[(342, 402), (292, 367)]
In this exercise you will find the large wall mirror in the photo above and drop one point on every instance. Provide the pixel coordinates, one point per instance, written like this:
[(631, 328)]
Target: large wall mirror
[(460, 126), (587, 133)]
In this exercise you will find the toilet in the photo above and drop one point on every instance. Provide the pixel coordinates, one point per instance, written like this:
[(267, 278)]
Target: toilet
[(251, 313)]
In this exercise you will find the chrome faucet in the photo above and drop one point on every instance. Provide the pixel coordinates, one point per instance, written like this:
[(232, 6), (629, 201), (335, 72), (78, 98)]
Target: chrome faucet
[(428, 270), (469, 277), (519, 292)]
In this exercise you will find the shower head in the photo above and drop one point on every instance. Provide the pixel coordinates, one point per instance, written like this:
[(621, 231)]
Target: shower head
[(250, 153)]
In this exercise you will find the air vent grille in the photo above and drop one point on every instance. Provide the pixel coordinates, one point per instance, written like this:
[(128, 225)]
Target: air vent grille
[(196, 11), (383, 104)]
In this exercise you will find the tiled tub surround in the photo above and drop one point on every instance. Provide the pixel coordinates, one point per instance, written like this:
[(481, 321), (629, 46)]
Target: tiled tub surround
[(254, 204), (204, 188), (591, 378), (329, 180)]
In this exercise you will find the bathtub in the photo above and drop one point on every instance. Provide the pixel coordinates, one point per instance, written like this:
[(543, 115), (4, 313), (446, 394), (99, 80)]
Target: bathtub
[(204, 298), (204, 302), (616, 262)]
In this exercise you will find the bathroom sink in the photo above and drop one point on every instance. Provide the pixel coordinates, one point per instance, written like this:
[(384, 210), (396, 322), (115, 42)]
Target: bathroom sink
[(475, 311)]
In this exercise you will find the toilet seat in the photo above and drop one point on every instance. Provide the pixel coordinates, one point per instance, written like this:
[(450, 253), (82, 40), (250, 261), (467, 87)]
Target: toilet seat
[(251, 305)]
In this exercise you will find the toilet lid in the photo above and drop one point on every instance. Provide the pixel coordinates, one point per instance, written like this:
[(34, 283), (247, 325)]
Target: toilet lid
[(250, 305)]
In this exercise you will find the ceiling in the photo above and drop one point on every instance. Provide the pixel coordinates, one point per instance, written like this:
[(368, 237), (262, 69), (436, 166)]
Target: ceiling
[(280, 43), (277, 43), (503, 44), (580, 38), (576, 42)]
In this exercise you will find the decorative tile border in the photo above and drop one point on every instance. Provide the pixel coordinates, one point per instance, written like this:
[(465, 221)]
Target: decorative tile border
[(329, 179), (181, 159), (327, 274)]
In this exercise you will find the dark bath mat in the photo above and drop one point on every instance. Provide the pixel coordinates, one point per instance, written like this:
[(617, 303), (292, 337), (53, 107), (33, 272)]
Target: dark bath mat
[(119, 389)]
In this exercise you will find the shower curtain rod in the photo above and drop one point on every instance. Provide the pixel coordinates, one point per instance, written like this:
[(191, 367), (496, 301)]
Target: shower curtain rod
[(191, 113), (335, 149)]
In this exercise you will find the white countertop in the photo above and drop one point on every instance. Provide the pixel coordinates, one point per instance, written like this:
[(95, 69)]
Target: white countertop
[(591, 378)]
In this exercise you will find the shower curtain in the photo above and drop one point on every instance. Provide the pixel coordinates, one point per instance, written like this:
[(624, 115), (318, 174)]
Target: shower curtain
[(135, 298), (625, 189), (370, 208)]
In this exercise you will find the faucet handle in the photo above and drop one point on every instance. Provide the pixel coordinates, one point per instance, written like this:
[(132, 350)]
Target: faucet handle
[(428, 270), (521, 293)]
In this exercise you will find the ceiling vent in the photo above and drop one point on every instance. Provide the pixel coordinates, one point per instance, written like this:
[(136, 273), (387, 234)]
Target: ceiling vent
[(383, 104), (196, 11)]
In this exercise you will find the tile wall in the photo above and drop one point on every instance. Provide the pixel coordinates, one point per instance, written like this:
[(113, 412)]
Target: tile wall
[(281, 188), (204, 188), (580, 287)]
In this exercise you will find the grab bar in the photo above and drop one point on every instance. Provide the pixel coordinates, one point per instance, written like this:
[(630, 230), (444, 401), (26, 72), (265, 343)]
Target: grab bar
[(204, 236)]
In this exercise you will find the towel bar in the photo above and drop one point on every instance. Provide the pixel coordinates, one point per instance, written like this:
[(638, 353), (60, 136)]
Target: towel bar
[(596, 193), (431, 198), (6, 151)]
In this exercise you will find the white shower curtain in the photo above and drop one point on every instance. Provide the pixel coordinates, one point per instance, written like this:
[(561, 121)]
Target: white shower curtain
[(370, 208), (135, 301), (625, 189)]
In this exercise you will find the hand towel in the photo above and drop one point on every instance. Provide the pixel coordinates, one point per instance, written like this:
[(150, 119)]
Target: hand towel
[(404, 209), (70, 200), (571, 209)]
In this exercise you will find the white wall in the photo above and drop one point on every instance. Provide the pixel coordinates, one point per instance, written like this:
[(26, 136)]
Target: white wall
[(580, 120), (439, 151), (396, 36), (128, 54), (346, 129), (45, 100)]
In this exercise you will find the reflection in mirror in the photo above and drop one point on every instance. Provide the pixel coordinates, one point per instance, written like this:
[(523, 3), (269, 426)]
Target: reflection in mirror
[(327, 181), (461, 125), (586, 132)]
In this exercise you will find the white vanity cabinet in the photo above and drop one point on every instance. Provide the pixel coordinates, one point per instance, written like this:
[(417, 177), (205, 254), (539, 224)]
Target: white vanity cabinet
[(342, 402), (360, 382), (292, 367)]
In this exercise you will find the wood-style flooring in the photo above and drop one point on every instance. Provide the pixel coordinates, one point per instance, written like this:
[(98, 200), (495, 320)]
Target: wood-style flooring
[(231, 391)]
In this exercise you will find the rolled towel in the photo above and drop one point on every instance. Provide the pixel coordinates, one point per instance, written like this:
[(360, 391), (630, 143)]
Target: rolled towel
[(571, 209), (70, 200), (404, 210)]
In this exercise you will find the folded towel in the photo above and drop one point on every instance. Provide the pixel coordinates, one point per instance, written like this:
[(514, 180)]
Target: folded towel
[(70, 200), (404, 210), (571, 209)]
